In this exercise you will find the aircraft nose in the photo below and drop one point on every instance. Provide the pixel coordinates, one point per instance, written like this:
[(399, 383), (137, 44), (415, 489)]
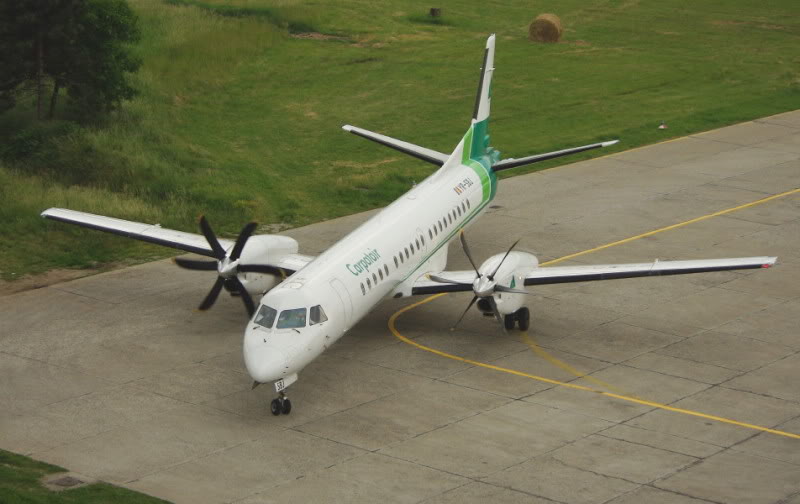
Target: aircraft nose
[(265, 363)]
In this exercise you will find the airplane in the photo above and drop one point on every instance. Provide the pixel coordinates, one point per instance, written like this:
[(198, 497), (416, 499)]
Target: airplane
[(308, 303)]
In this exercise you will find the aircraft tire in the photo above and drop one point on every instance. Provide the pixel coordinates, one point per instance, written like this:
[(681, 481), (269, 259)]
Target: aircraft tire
[(275, 407), (287, 407), (524, 318), (508, 321)]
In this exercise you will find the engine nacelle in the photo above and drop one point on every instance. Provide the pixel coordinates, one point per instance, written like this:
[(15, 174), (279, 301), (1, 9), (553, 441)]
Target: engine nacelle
[(512, 273), (265, 249)]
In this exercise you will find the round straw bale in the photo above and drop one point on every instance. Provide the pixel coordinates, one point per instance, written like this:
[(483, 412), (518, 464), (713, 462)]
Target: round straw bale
[(545, 28)]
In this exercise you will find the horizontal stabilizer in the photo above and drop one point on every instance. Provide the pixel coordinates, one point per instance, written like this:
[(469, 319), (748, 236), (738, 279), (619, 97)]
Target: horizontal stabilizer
[(513, 163), (423, 153)]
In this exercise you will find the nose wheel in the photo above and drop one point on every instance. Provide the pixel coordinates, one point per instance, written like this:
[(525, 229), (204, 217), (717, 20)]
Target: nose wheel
[(280, 405)]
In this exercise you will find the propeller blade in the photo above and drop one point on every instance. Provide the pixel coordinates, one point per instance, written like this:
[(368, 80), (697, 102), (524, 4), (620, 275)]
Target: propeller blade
[(467, 252), (193, 264), (447, 281), (497, 314), (244, 235), (491, 277), (211, 238), (474, 298), (248, 301), (503, 288), (262, 268), (212, 295)]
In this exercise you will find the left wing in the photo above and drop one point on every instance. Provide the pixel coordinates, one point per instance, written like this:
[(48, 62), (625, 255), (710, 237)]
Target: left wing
[(565, 274), (154, 233)]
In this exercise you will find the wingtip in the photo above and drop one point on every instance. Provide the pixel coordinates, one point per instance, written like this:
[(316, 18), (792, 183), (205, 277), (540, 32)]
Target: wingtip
[(609, 143), (347, 127)]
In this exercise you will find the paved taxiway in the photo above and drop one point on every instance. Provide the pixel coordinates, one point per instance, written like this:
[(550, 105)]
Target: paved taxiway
[(116, 376)]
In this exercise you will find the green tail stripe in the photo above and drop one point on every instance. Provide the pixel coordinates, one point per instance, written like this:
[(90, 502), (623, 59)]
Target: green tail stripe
[(474, 155)]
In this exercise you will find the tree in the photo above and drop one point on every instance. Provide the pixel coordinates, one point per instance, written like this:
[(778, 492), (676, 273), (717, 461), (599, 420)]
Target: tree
[(82, 46)]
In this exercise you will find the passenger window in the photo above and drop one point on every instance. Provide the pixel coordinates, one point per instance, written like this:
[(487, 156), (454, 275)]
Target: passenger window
[(395, 262), (380, 273), (386, 270), (422, 239), (375, 279), (430, 234), (317, 315), (363, 290), (265, 316), (291, 319), (369, 284), (459, 211), (468, 205), (417, 242), (406, 253)]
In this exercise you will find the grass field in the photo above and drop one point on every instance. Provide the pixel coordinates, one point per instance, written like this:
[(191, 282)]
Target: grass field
[(20, 483), (242, 101)]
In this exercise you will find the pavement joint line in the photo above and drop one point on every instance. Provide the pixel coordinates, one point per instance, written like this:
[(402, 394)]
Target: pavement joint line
[(622, 397)]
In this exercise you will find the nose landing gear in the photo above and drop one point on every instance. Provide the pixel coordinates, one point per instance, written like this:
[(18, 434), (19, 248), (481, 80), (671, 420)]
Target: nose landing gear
[(282, 404)]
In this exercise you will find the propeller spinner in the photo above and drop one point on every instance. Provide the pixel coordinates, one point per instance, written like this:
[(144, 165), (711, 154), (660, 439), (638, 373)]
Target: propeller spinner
[(227, 266)]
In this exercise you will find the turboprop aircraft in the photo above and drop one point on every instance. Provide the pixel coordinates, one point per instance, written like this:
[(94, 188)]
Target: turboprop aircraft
[(308, 302)]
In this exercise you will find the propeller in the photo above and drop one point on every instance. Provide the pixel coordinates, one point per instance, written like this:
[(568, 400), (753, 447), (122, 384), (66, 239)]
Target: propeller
[(484, 286), (227, 265)]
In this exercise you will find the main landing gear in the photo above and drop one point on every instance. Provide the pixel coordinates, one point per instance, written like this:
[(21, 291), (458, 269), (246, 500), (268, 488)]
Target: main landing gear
[(282, 404), (521, 317)]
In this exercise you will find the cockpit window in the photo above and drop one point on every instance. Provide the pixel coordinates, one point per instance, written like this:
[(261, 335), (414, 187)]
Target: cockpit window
[(266, 316), (291, 319), (317, 315)]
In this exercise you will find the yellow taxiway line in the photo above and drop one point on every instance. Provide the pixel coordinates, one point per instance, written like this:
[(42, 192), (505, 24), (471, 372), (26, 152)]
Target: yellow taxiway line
[(555, 361)]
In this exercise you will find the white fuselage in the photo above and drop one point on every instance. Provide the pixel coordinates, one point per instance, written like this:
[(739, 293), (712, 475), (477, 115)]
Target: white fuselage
[(382, 257)]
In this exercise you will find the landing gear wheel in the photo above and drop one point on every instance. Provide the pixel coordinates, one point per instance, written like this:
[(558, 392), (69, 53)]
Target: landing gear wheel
[(524, 318), (276, 407), (508, 321), (287, 407)]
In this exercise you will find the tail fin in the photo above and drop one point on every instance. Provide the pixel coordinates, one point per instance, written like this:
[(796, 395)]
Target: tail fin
[(484, 98), (476, 141)]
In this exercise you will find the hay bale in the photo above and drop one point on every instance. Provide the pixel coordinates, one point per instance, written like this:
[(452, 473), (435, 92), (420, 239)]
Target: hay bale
[(545, 28)]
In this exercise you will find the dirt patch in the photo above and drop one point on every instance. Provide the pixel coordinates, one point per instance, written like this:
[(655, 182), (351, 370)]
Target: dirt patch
[(66, 481), (51, 277), (316, 36), (351, 164)]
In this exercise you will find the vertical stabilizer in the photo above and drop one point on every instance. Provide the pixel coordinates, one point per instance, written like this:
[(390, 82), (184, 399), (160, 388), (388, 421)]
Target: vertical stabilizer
[(484, 98)]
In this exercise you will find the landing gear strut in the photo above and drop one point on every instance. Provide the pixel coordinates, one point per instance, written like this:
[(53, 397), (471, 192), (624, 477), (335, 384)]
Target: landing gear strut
[(282, 404)]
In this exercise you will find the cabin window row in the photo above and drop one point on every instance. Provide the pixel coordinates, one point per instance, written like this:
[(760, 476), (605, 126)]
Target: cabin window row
[(415, 246), (373, 282), (445, 222)]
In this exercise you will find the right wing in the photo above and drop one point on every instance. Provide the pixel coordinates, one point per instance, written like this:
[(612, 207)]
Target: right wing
[(154, 233), (461, 281), (566, 274), (423, 153)]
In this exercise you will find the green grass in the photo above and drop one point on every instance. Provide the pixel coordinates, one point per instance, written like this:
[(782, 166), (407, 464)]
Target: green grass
[(19, 484), (240, 109)]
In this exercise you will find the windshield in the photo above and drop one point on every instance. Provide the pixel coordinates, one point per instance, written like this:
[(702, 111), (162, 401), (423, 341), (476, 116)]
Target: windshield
[(266, 316), (291, 319)]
